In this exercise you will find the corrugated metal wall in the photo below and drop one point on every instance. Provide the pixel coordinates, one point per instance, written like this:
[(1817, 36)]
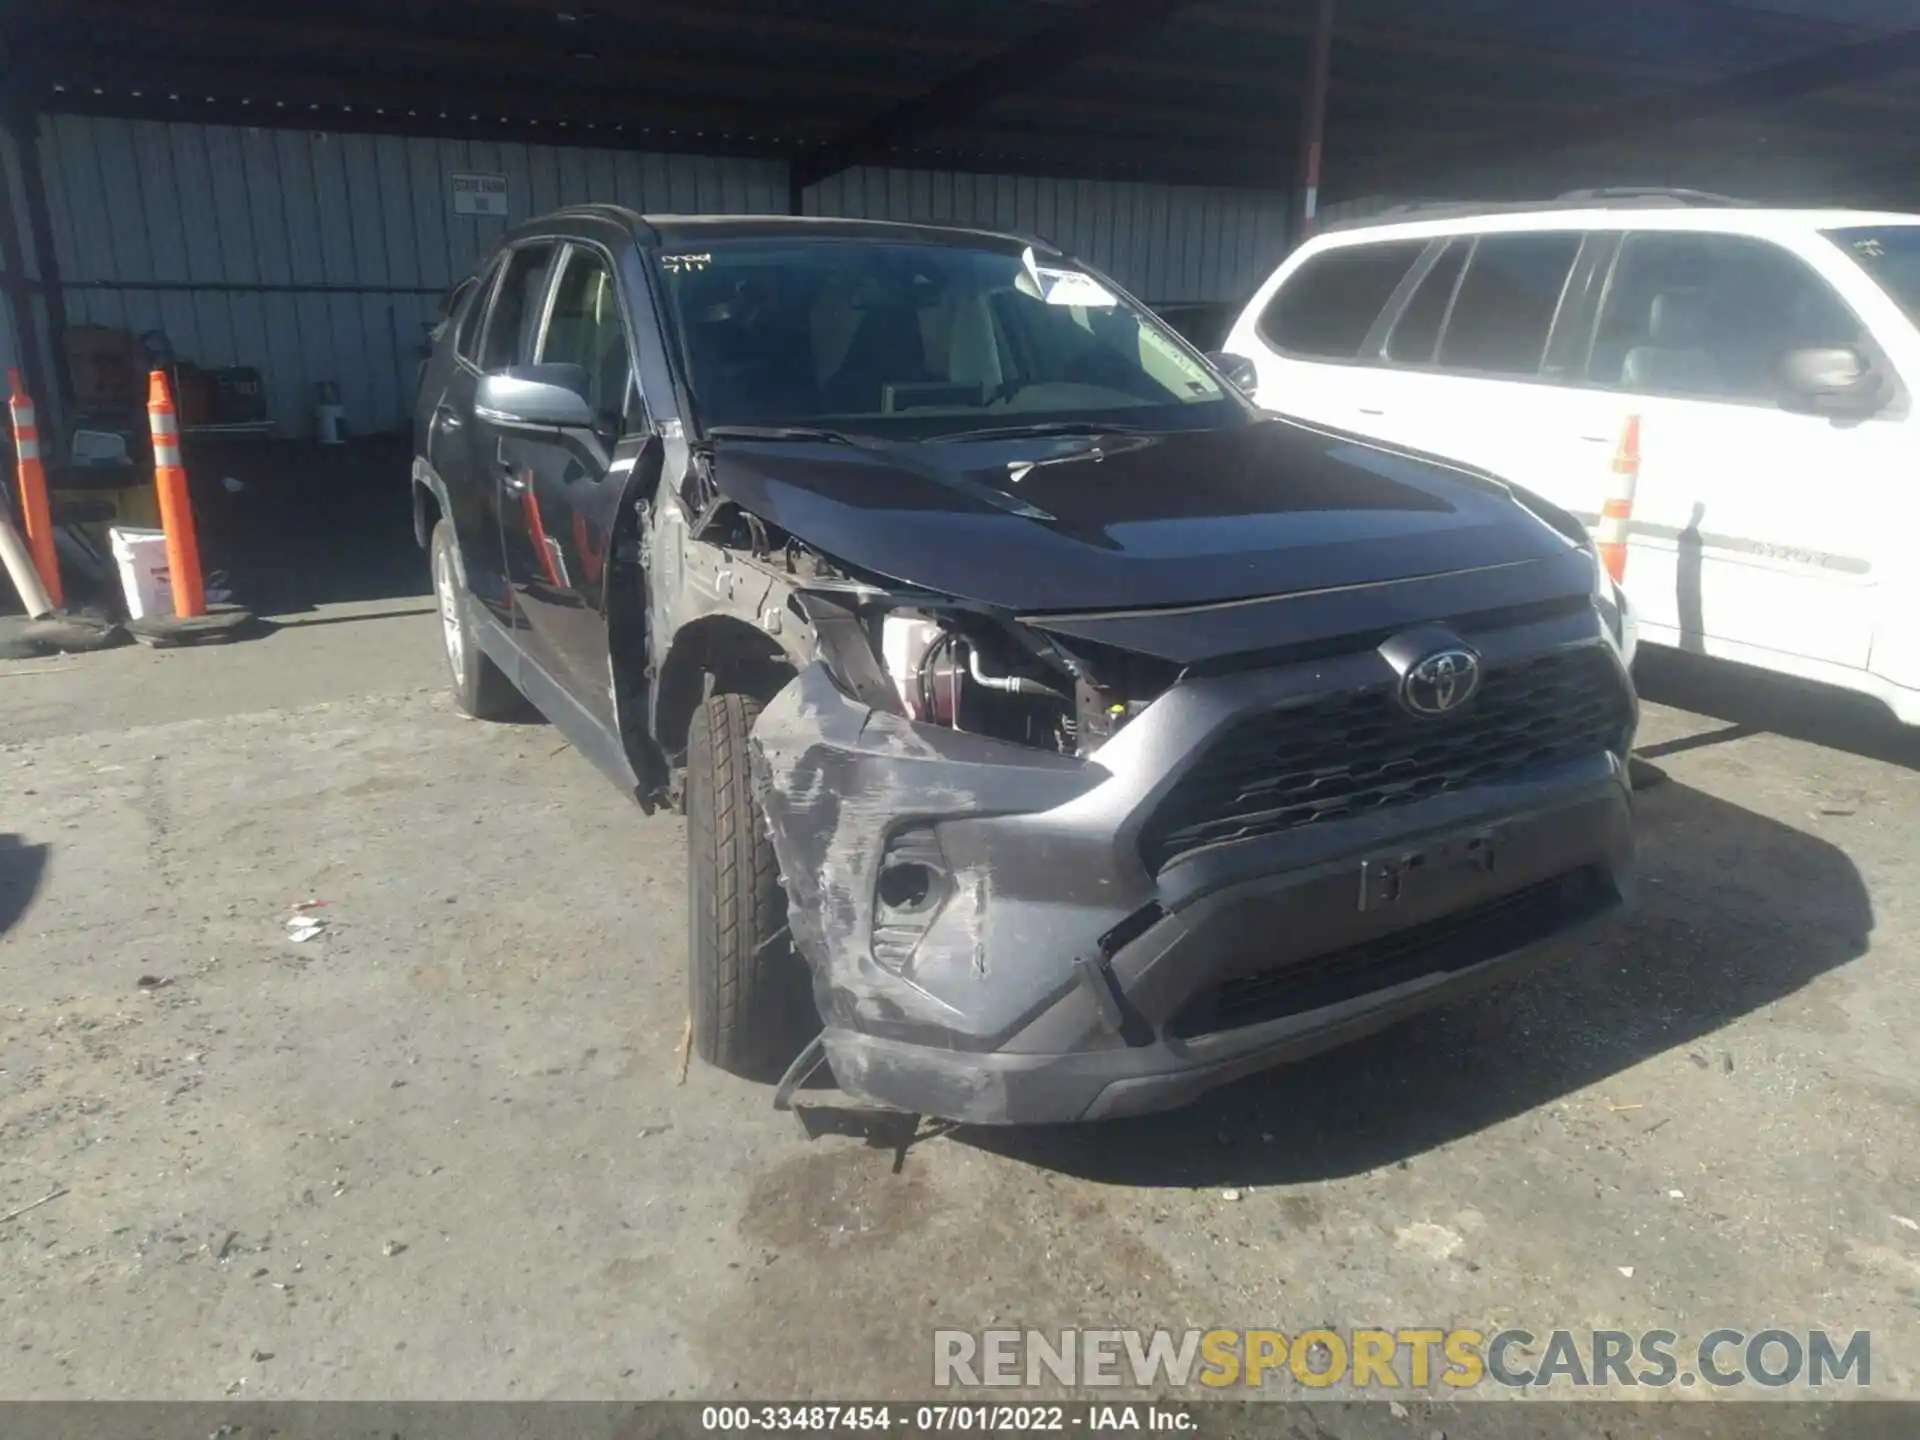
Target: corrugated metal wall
[(1168, 244), (313, 256), (322, 257)]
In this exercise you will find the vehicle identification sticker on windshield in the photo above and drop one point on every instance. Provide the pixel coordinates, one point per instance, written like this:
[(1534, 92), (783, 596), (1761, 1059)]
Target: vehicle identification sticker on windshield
[(1067, 287), (682, 262), (1197, 378)]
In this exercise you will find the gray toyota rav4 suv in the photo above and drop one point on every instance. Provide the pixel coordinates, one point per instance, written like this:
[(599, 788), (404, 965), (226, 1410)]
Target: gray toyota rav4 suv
[(1059, 735)]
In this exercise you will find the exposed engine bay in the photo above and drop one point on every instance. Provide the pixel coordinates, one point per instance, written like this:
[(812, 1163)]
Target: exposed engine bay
[(959, 665)]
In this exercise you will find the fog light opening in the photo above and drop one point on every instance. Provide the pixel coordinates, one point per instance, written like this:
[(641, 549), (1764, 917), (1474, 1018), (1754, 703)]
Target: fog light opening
[(909, 886)]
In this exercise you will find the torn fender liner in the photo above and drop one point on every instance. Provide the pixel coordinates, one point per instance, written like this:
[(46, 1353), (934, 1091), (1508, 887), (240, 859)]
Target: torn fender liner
[(838, 782)]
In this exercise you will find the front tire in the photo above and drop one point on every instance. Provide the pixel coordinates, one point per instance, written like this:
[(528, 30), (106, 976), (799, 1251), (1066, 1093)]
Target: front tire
[(747, 982), (480, 688)]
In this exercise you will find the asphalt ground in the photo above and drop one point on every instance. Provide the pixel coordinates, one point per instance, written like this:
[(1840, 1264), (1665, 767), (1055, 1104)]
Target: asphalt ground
[(442, 1149)]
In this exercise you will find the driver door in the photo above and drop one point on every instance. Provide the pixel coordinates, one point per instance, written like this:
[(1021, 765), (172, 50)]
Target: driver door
[(561, 489)]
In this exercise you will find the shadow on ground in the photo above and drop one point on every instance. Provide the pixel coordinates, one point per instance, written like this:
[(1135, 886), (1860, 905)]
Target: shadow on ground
[(1754, 701), (1735, 911), (22, 868), (311, 524)]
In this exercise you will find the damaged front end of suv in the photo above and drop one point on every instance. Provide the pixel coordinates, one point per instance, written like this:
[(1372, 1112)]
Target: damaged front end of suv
[(1112, 755)]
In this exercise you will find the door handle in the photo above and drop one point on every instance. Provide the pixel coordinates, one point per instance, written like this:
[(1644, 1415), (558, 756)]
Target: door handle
[(446, 418), (1364, 410), (515, 482), (1598, 439)]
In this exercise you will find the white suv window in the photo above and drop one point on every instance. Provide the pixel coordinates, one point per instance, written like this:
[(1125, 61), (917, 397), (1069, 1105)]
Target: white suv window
[(1324, 310), (1711, 316), (1416, 334), (1891, 254), (1506, 304)]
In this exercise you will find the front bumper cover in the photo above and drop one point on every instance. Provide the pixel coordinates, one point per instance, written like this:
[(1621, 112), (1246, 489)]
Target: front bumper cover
[(1046, 975)]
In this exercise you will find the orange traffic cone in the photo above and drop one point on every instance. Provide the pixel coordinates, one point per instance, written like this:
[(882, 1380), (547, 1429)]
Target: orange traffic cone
[(1616, 514), (191, 621), (36, 513), (176, 505)]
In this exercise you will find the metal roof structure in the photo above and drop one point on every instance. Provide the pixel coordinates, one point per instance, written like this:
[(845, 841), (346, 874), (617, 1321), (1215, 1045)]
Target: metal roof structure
[(1423, 92)]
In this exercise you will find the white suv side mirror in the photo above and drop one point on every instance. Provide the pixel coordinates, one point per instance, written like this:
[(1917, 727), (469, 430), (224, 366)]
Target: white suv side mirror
[(1237, 370)]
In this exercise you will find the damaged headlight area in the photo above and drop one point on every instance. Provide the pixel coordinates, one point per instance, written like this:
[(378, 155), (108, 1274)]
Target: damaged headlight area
[(960, 668)]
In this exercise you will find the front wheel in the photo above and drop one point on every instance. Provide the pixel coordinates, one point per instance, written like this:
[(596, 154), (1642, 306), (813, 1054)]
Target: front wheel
[(747, 983), (480, 687)]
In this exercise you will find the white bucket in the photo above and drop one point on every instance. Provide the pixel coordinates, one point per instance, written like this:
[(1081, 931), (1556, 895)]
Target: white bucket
[(142, 558)]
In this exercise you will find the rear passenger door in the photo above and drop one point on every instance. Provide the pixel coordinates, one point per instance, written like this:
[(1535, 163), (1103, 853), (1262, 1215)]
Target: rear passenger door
[(562, 488), (505, 340), (448, 446)]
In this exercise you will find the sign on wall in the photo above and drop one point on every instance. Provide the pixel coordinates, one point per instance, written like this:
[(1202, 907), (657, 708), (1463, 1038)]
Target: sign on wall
[(479, 194)]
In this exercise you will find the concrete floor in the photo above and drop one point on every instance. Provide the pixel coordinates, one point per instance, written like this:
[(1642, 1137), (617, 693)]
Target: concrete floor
[(440, 1150)]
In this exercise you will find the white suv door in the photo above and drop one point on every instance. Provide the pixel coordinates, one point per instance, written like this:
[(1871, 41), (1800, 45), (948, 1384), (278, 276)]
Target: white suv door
[(1755, 529)]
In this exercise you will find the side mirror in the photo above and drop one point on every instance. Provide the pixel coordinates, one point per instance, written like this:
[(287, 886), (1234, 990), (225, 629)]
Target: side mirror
[(1238, 370), (1833, 380), (536, 397)]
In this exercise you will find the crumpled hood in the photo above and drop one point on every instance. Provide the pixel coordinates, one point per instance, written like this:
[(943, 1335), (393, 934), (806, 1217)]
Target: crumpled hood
[(1076, 524)]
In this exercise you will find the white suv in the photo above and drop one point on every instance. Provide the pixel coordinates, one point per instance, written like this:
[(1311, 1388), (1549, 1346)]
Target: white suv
[(1770, 356)]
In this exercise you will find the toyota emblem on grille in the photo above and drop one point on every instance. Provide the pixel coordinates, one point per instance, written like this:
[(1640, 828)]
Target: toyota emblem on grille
[(1442, 681)]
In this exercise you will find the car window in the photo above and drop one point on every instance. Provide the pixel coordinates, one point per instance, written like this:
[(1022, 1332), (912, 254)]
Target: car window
[(467, 338), (1326, 307), (1711, 315), (1891, 255), (1506, 303), (584, 328), (514, 308), (920, 339), (1416, 334)]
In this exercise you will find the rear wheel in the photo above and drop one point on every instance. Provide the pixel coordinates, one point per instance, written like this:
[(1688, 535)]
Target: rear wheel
[(480, 687), (750, 1003)]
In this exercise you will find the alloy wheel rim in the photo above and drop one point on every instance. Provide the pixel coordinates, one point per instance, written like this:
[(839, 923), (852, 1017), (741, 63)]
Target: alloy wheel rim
[(450, 634)]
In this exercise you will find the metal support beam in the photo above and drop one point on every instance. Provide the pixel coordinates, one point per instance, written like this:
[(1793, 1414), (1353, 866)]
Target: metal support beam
[(43, 354), (960, 97), (1313, 121), (21, 305), (33, 186)]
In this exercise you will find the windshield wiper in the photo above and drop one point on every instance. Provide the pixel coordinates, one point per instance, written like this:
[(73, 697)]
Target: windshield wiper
[(1042, 428), (782, 432)]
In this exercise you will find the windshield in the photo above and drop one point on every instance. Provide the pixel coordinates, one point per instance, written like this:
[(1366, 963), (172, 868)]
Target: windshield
[(1891, 254), (917, 341)]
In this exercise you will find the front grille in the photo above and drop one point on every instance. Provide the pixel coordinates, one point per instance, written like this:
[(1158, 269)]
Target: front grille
[(1358, 752), (1453, 942)]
